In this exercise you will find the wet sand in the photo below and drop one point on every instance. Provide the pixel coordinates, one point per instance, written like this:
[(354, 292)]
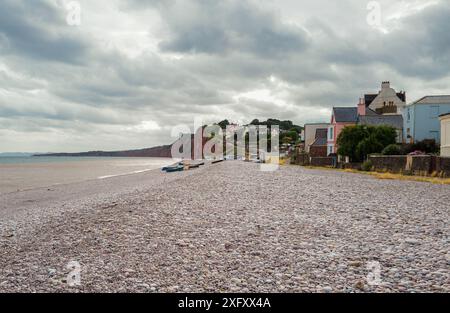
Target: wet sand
[(26, 176)]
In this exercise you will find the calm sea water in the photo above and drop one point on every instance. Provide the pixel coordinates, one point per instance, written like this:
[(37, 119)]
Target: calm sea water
[(22, 173), (31, 159)]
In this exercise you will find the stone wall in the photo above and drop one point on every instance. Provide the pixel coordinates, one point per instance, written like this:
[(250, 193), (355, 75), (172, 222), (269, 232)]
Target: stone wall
[(300, 159), (352, 166), (443, 166), (322, 161), (421, 165), (394, 164)]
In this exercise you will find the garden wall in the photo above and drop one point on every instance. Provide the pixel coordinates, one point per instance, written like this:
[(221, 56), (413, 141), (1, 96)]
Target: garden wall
[(392, 163), (422, 165), (300, 159), (322, 161), (443, 166)]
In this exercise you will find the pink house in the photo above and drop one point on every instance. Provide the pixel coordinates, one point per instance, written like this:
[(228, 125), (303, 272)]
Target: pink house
[(342, 117), (360, 115)]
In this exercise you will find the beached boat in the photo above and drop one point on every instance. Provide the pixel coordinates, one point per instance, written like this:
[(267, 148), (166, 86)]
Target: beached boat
[(171, 169), (195, 165)]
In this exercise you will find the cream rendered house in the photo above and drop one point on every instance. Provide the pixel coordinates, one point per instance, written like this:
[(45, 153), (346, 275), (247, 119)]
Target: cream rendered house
[(310, 133), (387, 101), (445, 135)]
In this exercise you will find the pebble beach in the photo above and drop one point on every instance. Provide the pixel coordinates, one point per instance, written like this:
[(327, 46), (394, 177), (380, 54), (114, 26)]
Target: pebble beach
[(228, 227)]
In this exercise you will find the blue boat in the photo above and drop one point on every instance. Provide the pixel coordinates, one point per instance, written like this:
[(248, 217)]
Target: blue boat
[(171, 169)]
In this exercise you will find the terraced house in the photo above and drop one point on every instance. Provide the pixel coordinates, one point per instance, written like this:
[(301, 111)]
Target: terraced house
[(445, 134), (421, 118), (384, 108)]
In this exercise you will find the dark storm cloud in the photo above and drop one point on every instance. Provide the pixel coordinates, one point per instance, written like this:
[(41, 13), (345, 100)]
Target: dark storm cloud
[(206, 57), (219, 27), (418, 47), (32, 30)]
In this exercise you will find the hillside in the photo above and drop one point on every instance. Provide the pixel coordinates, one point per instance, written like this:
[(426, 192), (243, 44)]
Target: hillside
[(156, 152)]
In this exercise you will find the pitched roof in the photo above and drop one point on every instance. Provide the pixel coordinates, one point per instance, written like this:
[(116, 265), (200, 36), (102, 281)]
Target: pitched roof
[(370, 97), (342, 115), (402, 96), (444, 99), (371, 112), (320, 142), (321, 133), (395, 121)]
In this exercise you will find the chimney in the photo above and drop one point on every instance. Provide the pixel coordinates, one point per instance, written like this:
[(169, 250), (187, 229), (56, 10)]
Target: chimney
[(385, 85), (361, 107)]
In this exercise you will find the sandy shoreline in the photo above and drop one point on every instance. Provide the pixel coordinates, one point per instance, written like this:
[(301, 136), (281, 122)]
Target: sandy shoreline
[(227, 228), (33, 173)]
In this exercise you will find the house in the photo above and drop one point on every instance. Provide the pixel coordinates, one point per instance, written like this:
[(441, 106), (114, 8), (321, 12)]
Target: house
[(341, 117), (387, 101), (368, 117), (421, 118), (310, 133), (319, 146), (384, 108), (445, 135)]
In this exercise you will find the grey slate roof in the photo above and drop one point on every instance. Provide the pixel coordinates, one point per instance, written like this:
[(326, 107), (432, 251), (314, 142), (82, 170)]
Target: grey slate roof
[(395, 121), (321, 137), (368, 98), (322, 133), (371, 112), (444, 99), (320, 142), (346, 115)]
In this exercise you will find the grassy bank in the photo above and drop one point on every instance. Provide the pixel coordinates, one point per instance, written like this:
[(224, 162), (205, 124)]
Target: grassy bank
[(390, 176)]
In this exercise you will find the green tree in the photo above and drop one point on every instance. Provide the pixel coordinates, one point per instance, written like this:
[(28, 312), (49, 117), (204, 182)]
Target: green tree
[(224, 124), (392, 150), (289, 137), (357, 142)]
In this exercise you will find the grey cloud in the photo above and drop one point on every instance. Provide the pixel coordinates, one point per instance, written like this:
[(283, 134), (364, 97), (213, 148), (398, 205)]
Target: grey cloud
[(220, 27), (57, 81), (32, 30)]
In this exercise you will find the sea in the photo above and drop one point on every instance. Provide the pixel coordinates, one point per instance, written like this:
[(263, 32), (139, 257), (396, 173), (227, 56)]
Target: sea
[(28, 172)]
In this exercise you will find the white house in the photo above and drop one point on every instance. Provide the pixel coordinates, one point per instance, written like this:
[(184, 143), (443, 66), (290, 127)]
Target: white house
[(445, 135)]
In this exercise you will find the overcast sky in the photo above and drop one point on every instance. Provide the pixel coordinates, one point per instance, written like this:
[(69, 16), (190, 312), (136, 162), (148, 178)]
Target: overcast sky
[(133, 69)]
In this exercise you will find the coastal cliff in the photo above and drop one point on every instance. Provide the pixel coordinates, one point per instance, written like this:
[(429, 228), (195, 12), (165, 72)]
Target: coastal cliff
[(155, 152)]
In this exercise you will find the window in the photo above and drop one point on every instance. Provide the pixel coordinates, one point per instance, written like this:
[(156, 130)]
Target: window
[(331, 133), (330, 150), (409, 115), (399, 136), (434, 111)]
